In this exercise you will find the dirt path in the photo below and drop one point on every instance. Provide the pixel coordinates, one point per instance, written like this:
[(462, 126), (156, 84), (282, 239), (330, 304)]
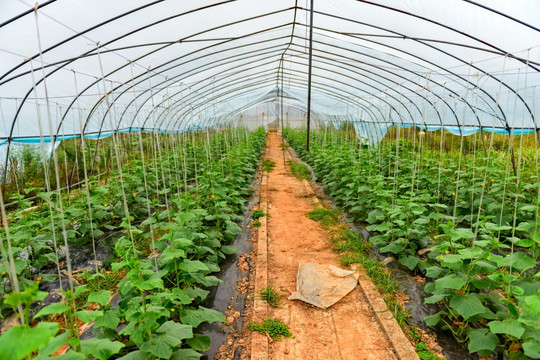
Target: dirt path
[(348, 330)]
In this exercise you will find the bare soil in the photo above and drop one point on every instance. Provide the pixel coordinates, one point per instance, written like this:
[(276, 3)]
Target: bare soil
[(349, 329)]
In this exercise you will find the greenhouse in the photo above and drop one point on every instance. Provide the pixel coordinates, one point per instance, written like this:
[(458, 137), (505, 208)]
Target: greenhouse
[(286, 179)]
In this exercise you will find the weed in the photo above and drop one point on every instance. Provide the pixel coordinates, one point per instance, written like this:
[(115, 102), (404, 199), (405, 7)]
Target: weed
[(256, 224), (327, 217), (271, 296), (268, 165), (259, 214), (300, 171), (284, 146), (424, 353), (276, 329)]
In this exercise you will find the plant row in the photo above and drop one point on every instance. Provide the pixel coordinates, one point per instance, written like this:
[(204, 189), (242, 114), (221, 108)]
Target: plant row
[(466, 223), (173, 217)]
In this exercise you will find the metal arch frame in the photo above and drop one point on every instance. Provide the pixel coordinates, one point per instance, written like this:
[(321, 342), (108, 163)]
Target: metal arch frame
[(269, 81), (164, 64), (388, 79), (461, 60), (64, 41), (409, 99), (144, 55), (206, 85), (38, 6), (503, 52), (439, 85), (325, 86), (251, 79), (401, 85), (213, 4), (427, 61), (248, 54), (158, 49), (377, 81), (260, 76), (502, 14), (348, 85), (267, 70)]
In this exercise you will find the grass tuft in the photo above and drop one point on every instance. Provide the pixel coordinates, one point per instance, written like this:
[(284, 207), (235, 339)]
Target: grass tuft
[(327, 217), (276, 329), (271, 296), (257, 214), (268, 165), (300, 171)]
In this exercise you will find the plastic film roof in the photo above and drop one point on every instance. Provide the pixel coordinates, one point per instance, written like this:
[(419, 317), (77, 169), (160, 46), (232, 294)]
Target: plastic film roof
[(72, 67)]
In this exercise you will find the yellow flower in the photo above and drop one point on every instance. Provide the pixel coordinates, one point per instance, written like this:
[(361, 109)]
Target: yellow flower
[(441, 257), (492, 180), (453, 194), (172, 310), (482, 184), (213, 196), (192, 299)]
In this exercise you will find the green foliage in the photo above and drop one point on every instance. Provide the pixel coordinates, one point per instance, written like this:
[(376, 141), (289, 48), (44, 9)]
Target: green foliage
[(271, 296), (167, 250), (300, 171), (449, 217), (257, 214), (276, 329), (327, 217), (268, 165), (256, 224)]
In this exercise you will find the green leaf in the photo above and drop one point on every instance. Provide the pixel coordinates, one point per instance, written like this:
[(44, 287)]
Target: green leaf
[(100, 297), (394, 247), (170, 254), (186, 354), (20, 341), (533, 302), (536, 237), (200, 315), (193, 266), (409, 261), (451, 281), (168, 336), (102, 349), (433, 320), (467, 305), (56, 308), (157, 348), (435, 298), (174, 332), (229, 249), (532, 349), (199, 342), (471, 253), (88, 315), (451, 258), (482, 340), (109, 320), (53, 345), (434, 271), (519, 261), (135, 355), (500, 327)]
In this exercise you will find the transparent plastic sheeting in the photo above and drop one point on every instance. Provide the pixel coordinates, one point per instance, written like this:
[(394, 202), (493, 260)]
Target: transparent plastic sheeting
[(100, 66)]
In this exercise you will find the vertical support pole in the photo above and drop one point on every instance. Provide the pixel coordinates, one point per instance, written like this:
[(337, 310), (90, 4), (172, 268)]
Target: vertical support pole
[(281, 95), (310, 61)]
